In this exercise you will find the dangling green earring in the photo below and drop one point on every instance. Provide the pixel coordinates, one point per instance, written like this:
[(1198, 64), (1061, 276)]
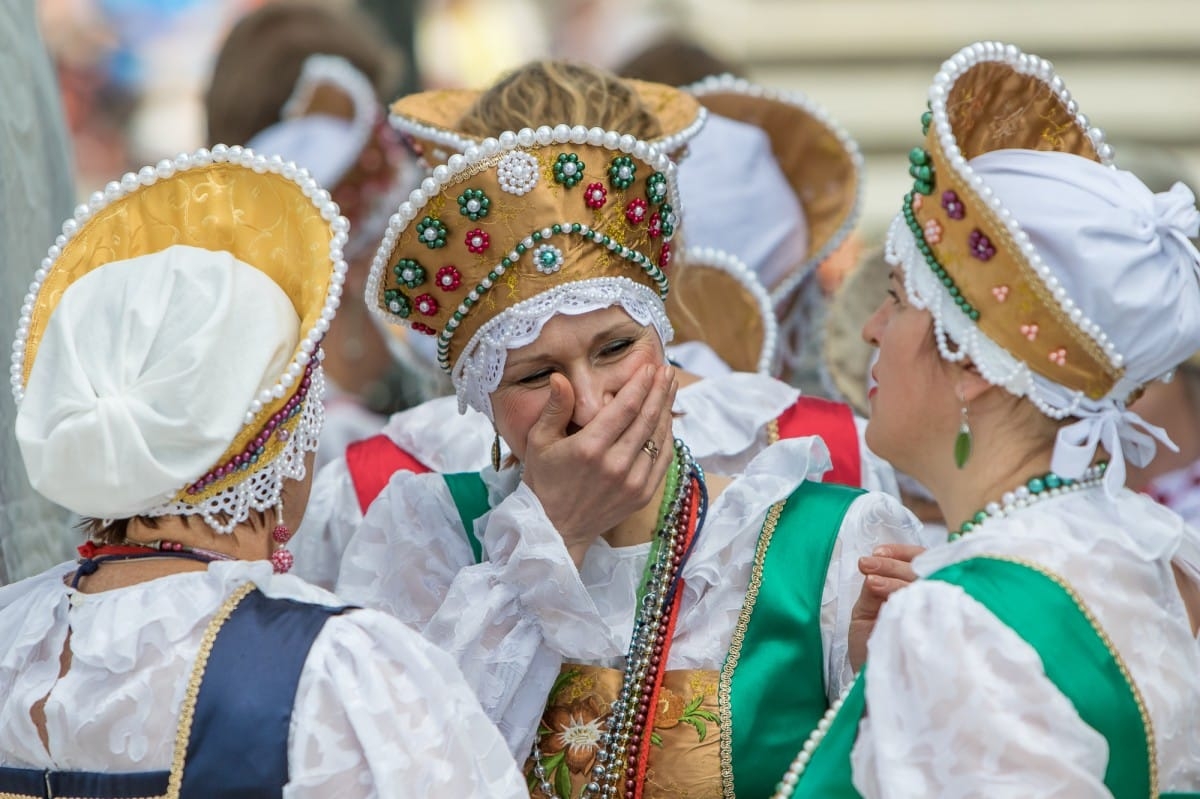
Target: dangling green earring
[(496, 452), (963, 441)]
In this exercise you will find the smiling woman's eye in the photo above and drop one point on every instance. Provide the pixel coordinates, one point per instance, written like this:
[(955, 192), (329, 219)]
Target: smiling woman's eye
[(616, 346), (539, 376)]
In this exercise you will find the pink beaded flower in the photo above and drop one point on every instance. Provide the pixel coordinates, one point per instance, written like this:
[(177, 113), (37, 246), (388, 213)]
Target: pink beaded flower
[(426, 304), (917, 201), (933, 231), (477, 241), (655, 225), (981, 246), (954, 206), (448, 278), (595, 195), (635, 211)]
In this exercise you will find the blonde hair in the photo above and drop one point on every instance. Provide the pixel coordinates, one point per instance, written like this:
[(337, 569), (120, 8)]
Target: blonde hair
[(554, 92)]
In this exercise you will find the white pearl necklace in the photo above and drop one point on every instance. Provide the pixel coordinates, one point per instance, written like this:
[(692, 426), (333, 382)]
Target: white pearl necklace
[(791, 777)]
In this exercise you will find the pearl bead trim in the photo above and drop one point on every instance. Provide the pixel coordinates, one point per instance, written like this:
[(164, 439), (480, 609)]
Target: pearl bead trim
[(729, 84), (1047, 486), (455, 142), (1043, 70), (132, 182), (708, 257), (791, 777), (488, 153)]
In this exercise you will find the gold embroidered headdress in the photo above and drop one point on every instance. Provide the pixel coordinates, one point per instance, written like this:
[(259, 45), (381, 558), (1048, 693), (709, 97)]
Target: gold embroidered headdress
[(239, 215), (1040, 261), (520, 227)]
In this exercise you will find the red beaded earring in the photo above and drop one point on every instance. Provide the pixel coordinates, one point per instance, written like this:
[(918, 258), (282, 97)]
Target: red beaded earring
[(281, 558)]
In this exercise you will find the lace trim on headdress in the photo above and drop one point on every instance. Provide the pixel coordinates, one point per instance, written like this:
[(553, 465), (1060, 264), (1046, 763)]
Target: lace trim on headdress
[(481, 365), (1106, 421), (262, 488)]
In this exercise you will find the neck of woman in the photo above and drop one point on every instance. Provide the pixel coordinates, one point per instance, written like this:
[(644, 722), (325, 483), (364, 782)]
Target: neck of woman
[(997, 466)]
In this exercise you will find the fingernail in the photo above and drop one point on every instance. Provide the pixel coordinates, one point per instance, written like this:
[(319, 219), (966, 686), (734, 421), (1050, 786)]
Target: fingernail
[(868, 564), (875, 582), (649, 372), (881, 552)]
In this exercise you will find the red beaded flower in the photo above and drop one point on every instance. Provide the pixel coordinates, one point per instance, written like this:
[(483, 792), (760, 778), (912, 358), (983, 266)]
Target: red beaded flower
[(664, 257), (477, 240), (426, 304), (655, 226), (635, 211), (421, 328), (595, 195), (448, 278)]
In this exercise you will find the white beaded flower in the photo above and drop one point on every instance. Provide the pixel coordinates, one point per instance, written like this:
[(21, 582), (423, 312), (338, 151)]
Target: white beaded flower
[(548, 259), (517, 172)]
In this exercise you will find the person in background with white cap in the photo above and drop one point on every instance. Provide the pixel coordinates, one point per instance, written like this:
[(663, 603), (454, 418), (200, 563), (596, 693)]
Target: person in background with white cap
[(1050, 649), (168, 379), (319, 74)]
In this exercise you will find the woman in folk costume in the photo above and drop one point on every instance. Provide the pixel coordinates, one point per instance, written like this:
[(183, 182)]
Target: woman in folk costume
[(627, 619), (167, 370), (726, 419), (1050, 649)]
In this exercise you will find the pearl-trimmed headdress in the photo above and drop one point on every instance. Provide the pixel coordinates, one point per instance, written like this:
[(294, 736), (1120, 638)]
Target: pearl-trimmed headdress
[(581, 216), (717, 300), (264, 212), (1000, 119), (824, 167)]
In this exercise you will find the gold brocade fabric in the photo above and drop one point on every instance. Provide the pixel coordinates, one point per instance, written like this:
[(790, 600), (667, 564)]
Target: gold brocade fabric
[(261, 219), (992, 107), (685, 746)]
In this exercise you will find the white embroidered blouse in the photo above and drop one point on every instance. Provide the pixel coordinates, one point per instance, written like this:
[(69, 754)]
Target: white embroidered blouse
[(958, 704), (379, 712), (511, 621)]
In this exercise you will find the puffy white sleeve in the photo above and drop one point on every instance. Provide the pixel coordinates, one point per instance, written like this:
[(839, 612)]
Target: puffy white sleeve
[(507, 622), (871, 521), (330, 519), (958, 705), (381, 713)]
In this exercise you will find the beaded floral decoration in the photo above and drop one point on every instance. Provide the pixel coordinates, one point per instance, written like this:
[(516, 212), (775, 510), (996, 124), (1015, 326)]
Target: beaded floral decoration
[(968, 260), (536, 209), (282, 423)]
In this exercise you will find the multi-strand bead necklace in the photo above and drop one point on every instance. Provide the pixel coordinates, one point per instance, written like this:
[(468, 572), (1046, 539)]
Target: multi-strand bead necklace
[(625, 742)]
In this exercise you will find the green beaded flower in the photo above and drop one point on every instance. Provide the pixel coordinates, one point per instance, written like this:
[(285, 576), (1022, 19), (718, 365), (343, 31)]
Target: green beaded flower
[(568, 170), (622, 172), (473, 204), (926, 120), (656, 188), (667, 214), (921, 169), (398, 303), (431, 232), (409, 272)]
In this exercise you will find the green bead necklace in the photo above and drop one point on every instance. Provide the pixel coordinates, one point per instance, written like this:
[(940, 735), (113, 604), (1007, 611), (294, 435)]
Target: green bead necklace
[(1034, 490)]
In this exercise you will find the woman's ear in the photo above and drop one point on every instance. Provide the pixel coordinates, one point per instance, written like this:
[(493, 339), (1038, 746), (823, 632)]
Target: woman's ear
[(970, 384)]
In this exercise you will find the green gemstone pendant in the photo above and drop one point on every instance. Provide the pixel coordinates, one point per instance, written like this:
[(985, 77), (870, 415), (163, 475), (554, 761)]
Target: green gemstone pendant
[(962, 447)]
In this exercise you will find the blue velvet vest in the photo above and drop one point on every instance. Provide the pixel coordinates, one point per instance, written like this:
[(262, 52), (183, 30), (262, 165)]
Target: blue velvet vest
[(234, 723)]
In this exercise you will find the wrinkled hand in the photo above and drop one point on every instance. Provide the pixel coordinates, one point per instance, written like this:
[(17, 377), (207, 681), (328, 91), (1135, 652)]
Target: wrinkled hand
[(590, 481), (887, 570)]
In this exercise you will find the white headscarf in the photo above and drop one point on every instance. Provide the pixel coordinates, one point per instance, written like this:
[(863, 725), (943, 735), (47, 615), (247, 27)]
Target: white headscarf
[(143, 376), (1122, 253)]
